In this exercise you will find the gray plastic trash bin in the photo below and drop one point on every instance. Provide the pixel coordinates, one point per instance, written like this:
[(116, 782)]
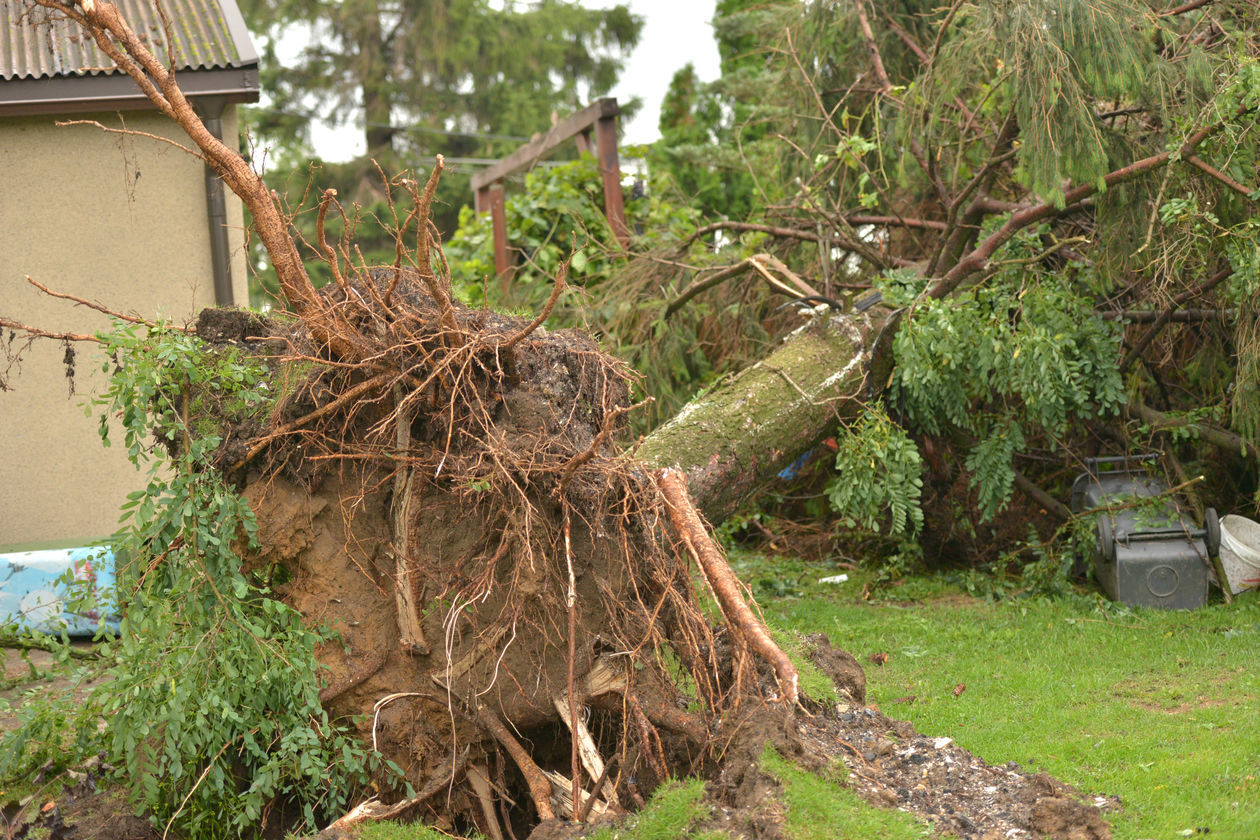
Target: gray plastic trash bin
[(1148, 556)]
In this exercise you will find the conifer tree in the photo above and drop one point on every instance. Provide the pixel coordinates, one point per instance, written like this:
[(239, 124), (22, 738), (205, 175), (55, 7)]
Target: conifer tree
[(416, 72)]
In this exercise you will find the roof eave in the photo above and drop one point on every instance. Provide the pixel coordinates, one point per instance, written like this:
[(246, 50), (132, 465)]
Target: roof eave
[(117, 92)]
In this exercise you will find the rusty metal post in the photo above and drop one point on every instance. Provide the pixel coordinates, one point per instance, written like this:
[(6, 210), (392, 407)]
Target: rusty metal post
[(610, 170)]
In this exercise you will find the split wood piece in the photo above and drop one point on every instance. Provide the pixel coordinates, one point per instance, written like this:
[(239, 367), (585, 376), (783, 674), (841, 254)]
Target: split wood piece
[(539, 785), (763, 261), (757, 262), (410, 633), (604, 677), (747, 626), (591, 758), (479, 778), (372, 810), (562, 794)]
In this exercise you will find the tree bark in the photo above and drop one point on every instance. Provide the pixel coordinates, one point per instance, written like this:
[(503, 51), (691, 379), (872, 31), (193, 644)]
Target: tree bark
[(738, 436)]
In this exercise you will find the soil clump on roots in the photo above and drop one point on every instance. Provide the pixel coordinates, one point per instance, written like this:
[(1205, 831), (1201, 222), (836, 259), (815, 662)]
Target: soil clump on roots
[(514, 602), (498, 575)]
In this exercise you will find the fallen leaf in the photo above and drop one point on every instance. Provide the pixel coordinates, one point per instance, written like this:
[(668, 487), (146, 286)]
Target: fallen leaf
[(959, 689)]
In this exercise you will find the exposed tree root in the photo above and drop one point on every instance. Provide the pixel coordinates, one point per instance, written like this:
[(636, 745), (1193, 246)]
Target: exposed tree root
[(749, 630), (539, 783)]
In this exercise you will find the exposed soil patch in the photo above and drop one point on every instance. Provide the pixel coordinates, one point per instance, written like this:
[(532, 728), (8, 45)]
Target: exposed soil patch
[(890, 764), (935, 779)]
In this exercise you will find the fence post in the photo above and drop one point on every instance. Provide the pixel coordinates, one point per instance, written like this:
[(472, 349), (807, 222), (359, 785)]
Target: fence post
[(610, 170), (498, 224)]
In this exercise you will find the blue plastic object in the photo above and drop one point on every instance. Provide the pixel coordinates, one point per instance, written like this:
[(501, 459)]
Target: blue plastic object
[(34, 594)]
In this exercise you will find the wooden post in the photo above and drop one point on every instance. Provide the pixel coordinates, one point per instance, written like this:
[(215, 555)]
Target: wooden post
[(610, 170), (601, 118), (498, 223)]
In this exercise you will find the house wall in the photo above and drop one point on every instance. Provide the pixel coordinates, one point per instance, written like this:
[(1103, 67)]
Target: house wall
[(111, 218)]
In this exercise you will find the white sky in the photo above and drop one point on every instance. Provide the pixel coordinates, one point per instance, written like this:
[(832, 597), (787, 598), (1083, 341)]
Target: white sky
[(675, 32)]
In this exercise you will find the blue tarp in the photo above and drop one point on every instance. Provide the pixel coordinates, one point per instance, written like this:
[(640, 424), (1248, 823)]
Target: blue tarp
[(34, 594)]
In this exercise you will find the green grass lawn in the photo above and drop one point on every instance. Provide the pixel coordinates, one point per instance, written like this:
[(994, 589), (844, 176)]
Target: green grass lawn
[(1159, 708)]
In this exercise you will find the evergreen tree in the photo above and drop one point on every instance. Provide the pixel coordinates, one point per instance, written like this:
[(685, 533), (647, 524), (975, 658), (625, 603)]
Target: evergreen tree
[(711, 131), (1043, 184), (426, 75)]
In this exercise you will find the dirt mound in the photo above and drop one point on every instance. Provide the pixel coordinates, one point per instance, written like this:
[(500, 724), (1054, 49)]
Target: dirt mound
[(933, 778)]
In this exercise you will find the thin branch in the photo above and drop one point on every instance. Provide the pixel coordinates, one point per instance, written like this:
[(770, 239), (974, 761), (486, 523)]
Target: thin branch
[(707, 283), (1145, 341), (1207, 168), (330, 256), (872, 49), (1052, 505), (14, 642), (556, 289), (1147, 316), (133, 133), (753, 227), (423, 211), (1186, 7), (90, 304), (606, 429), (38, 333), (1214, 435)]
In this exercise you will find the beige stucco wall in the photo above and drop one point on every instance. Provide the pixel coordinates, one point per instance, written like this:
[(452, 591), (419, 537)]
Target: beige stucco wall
[(119, 219)]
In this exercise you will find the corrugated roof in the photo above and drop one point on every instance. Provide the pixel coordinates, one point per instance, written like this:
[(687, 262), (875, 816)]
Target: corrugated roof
[(37, 43)]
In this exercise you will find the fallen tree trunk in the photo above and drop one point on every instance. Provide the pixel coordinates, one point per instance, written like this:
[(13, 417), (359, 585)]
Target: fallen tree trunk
[(736, 437)]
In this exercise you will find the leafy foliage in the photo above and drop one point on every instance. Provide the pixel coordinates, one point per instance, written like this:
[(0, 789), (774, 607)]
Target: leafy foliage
[(211, 709), (623, 300), (1058, 57), (879, 473), (1022, 351)]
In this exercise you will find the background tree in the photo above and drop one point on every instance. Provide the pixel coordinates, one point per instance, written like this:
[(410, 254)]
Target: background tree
[(458, 71), (463, 78), (712, 133)]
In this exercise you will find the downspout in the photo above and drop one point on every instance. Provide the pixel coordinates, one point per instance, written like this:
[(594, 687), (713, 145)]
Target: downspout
[(220, 250)]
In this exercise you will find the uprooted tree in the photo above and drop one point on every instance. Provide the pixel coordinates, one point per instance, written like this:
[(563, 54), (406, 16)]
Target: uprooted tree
[(440, 486)]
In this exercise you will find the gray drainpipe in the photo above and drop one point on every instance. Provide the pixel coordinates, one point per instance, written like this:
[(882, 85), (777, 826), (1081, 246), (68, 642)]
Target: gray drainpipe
[(220, 253)]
